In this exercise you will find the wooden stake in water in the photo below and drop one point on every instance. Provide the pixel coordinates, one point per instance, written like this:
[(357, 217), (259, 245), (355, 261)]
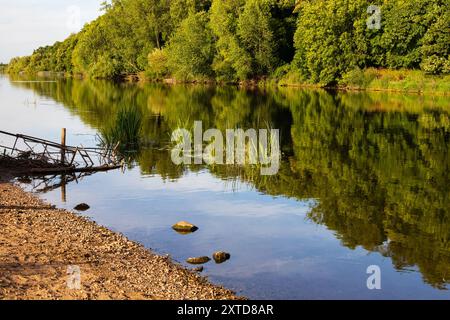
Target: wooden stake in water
[(63, 143), (63, 188)]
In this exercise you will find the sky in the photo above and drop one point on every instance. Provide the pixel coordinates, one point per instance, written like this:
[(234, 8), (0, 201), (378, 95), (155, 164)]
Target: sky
[(28, 24)]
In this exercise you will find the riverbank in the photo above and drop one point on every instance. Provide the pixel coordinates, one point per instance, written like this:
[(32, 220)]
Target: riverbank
[(385, 80), (40, 244), (370, 80)]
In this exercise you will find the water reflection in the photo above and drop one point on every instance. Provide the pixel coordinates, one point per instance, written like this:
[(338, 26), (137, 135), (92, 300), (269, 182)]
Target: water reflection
[(376, 164)]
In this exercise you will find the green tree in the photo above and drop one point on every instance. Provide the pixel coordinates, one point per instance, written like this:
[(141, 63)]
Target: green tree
[(330, 39), (191, 49), (257, 37), (181, 9), (231, 61), (404, 25), (435, 49)]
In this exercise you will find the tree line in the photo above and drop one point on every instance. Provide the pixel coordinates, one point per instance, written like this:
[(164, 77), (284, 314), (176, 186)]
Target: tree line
[(315, 41)]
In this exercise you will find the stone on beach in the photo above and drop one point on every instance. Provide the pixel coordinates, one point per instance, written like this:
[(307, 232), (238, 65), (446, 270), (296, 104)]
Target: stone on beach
[(82, 207)]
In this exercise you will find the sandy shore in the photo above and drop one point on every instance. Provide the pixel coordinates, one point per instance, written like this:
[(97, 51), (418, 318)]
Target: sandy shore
[(40, 244)]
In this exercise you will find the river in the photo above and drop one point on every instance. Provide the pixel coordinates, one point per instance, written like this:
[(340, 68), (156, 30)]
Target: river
[(363, 181)]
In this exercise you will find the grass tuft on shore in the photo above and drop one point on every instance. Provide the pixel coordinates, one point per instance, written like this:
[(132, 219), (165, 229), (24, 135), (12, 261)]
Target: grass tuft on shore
[(396, 80), (372, 79)]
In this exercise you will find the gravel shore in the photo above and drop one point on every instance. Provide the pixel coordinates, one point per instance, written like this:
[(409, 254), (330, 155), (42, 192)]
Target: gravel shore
[(42, 247)]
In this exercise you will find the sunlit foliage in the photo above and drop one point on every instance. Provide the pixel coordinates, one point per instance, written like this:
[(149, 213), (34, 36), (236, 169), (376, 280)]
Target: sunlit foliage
[(315, 41)]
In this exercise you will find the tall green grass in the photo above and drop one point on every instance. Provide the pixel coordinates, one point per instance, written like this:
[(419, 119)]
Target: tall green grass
[(371, 79), (415, 81), (124, 131)]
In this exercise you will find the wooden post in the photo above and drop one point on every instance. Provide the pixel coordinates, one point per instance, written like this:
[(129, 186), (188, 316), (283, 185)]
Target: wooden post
[(63, 188), (63, 143)]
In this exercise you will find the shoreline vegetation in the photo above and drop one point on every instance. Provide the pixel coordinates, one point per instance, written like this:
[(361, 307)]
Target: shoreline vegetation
[(398, 81), (40, 243), (324, 44)]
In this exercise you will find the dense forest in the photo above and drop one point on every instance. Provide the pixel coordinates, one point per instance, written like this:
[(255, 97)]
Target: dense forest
[(306, 41)]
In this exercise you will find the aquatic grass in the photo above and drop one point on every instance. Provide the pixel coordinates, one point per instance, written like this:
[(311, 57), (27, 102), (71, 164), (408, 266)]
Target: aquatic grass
[(248, 172), (124, 131)]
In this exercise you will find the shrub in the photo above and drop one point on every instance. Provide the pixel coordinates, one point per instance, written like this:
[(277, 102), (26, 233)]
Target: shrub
[(157, 63), (358, 78)]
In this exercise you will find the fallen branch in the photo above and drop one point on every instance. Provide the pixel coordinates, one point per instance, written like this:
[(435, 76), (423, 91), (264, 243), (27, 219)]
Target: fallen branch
[(59, 170)]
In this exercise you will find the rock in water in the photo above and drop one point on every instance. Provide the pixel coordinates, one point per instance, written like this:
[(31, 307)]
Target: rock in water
[(220, 256), (198, 269), (184, 227), (81, 207), (198, 260)]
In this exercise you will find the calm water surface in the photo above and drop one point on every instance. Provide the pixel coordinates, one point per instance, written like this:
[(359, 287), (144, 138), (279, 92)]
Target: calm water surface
[(364, 181)]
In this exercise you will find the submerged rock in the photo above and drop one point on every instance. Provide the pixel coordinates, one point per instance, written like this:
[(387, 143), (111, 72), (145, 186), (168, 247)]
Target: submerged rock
[(198, 260), (220, 256), (184, 227), (82, 207), (198, 269)]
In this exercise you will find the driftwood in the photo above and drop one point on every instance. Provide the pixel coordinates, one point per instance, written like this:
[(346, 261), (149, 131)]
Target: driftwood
[(32, 155), (47, 165), (73, 169)]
